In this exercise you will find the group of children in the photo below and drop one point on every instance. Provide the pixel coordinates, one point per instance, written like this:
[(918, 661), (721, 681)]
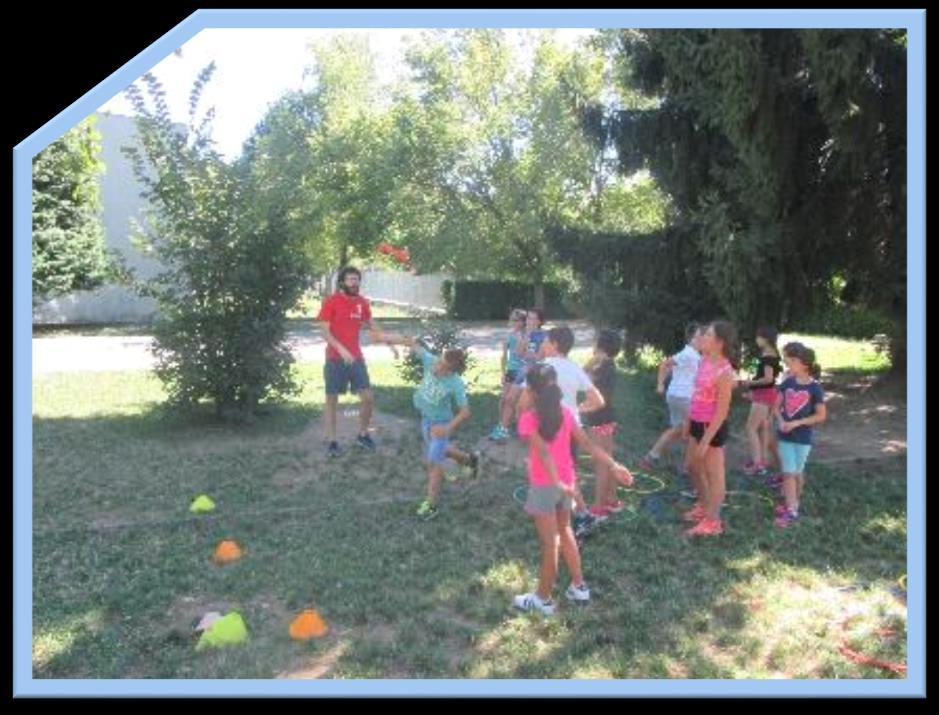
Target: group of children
[(540, 391), (780, 423)]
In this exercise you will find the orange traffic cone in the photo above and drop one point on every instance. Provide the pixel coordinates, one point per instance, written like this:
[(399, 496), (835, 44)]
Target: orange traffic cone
[(226, 552), (309, 624)]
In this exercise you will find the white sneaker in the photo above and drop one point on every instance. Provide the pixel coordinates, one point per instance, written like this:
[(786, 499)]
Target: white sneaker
[(532, 602), (578, 593)]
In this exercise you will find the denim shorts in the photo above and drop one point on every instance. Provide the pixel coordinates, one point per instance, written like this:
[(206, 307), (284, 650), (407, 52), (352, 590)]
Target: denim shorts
[(340, 375), (436, 446)]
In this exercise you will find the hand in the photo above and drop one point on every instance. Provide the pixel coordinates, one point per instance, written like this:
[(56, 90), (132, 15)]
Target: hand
[(786, 427), (660, 389), (567, 489), (347, 356), (622, 475), (702, 450), (440, 431)]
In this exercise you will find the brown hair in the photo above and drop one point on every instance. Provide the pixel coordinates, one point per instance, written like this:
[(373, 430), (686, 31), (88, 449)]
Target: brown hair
[(456, 359), (805, 355)]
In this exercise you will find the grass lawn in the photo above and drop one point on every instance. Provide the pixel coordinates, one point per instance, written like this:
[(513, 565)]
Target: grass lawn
[(120, 568)]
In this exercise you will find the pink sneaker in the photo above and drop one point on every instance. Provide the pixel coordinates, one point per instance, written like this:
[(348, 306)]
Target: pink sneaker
[(615, 506), (600, 512), (706, 527)]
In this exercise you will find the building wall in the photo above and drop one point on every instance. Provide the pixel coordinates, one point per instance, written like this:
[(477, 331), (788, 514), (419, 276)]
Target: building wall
[(121, 203)]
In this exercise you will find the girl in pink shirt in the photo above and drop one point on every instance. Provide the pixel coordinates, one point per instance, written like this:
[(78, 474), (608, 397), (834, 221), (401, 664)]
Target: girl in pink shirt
[(708, 427), (548, 429)]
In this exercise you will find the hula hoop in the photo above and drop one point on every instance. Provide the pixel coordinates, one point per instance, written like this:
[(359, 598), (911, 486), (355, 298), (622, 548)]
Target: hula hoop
[(863, 658), (523, 488), (754, 494), (642, 475)]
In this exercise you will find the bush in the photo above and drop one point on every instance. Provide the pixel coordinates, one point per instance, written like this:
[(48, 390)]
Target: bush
[(230, 271), (437, 336), (492, 300)]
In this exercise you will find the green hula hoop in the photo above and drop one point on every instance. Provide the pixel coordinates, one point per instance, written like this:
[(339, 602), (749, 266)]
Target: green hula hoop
[(637, 476)]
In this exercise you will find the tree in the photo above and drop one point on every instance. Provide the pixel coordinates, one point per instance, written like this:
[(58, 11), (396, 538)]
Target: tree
[(69, 251), (782, 152), (324, 152), (493, 153), (231, 270)]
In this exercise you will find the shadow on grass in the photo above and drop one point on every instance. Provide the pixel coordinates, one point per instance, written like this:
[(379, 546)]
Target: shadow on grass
[(120, 565)]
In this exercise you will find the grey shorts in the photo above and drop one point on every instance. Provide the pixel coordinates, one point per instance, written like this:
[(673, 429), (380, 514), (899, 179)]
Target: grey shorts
[(546, 500), (677, 410)]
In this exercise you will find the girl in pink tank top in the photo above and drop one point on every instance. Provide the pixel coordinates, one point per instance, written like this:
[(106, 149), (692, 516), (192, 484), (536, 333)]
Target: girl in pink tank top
[(707, 425), (704, 398)]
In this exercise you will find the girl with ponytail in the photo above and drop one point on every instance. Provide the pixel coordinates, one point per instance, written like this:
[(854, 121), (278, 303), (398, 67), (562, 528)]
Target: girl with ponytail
[(548, 426)]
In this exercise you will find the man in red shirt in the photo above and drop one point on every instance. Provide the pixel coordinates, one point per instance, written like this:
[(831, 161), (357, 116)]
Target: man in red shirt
[(345, 312)]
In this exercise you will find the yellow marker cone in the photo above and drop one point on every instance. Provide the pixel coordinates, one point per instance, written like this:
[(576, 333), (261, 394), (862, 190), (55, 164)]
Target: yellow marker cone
[(227, 630), (309, 624), (201, 504), (226, 552)]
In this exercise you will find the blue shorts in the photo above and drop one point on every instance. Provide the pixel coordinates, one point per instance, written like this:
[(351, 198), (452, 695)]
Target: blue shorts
[(436, 446), (340, 375), (793, 456)]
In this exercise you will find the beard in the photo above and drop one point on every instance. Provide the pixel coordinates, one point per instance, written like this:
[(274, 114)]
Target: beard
[(350, 290)]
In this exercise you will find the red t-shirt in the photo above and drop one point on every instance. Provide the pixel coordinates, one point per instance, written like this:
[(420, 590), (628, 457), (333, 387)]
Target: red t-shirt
[(345, 315)]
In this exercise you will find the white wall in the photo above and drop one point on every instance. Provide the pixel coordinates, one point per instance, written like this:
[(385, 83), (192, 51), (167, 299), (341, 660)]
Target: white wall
[(402, 288), (395, 287)]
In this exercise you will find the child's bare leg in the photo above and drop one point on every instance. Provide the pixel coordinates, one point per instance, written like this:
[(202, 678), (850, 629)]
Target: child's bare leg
[(508, 409), (548, 536), (458, 455), (667, 437), (604, 491), (774, 448), (569, 546), (716, 481), (754, 420), (791, 491), (698, 474), (579, 503), (434, 477)]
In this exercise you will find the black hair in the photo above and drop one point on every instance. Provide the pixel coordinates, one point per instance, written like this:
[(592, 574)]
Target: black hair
[(610, 342), (770, 335)]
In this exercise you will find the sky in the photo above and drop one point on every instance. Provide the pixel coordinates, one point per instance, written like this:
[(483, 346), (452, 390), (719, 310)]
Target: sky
[(254, 67)]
